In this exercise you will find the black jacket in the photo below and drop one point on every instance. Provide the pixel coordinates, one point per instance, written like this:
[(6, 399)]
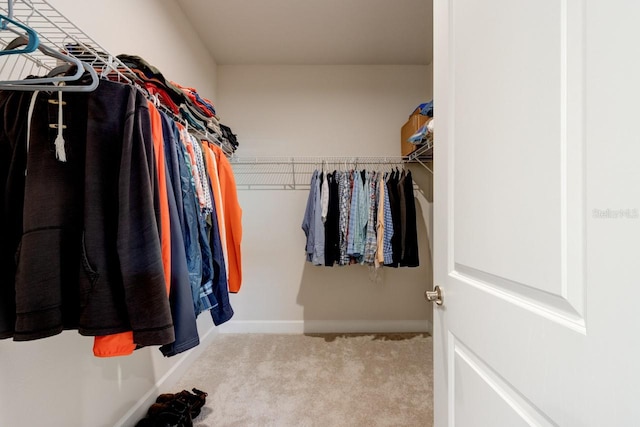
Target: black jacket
[(82, 251)]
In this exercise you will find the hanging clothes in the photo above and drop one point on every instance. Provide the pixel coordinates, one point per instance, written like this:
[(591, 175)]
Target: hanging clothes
[(143, 221), (371, 241), (332, 224), (388, 227), (190, 223), (324, 197), (232, 218), (223, 311), (93, 284), (201, 271), (380, 222), (355, 239), (363, 217), (123, 344), (410, 256), (182, 312), (318, 225), (344, 194), (308, 222), (212, 170), (394, 202), (370, 219)]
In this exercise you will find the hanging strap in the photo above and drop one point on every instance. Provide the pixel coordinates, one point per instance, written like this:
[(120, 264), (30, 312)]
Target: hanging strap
[(59, 142)]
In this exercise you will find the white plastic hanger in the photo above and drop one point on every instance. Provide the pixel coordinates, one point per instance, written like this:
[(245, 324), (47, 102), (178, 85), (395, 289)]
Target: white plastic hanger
[(44, 83)]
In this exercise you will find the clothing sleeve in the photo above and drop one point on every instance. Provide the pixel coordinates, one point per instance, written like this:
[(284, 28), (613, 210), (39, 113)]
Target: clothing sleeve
[(318, 245), (138, 242), (324, 198), (233, 220), (307, 221)]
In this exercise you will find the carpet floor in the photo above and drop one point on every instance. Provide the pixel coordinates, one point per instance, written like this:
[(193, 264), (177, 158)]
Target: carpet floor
[(328, 380)]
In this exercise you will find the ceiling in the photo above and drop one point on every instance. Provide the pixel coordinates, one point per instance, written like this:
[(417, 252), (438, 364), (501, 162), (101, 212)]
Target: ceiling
[(314, 32)]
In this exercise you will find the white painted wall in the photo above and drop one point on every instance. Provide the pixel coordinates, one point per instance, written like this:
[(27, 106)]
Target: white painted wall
[(57, 381), (157, 30), (320, 111), (275, 110)]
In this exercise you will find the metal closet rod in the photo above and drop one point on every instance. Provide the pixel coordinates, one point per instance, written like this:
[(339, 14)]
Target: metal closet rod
[(294, 173), (354, 161), (319, 160)]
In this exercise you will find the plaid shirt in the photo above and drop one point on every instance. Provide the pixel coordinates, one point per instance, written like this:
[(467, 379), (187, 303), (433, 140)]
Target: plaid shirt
[(344, 195), (204, 177), (371, 241)]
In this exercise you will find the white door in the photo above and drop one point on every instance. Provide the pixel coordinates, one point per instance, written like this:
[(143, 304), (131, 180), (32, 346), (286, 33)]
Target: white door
[(537, 212)]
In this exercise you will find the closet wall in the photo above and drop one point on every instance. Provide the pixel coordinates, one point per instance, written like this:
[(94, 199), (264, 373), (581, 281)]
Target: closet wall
[(275, 110), (321, 111), (57, 381)]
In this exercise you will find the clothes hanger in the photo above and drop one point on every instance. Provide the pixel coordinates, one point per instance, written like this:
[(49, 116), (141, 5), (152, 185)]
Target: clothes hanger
[(39, 83), (71, 60), (32, 42)]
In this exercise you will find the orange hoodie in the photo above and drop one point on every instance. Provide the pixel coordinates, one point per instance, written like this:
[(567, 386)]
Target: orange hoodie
[(232, 218), (122, 344)]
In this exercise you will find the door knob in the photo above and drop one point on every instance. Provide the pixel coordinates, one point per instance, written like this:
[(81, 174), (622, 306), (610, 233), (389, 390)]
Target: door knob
[(434, 296)]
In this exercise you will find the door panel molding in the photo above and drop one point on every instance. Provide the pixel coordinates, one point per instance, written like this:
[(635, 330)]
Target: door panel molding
[(561, 294), (525, 409), (550, 306)]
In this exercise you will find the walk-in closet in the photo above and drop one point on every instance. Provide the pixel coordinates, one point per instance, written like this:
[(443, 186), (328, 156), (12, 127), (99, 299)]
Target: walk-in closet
[(262, 105), (246, 213)]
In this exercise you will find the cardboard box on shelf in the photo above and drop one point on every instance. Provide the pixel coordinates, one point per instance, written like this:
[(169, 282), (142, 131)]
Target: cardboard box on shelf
[(416, 120)]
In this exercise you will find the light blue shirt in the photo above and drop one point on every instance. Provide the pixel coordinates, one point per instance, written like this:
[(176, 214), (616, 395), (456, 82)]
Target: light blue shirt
[(354, 218)]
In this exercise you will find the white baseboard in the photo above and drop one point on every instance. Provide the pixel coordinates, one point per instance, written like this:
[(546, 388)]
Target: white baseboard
[(324, 326), (166, 382)]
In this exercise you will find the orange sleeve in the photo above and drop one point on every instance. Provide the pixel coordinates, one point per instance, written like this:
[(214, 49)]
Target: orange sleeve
[(165, 227), (122, 344), (232, 219)]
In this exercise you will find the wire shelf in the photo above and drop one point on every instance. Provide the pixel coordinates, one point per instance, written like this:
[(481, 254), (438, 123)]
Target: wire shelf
[(56, 31), (422, 155), (294, 173)]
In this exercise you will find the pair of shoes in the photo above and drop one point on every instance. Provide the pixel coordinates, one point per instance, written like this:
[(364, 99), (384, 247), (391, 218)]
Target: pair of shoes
[(170, 414), (194, 401), (174, 410)]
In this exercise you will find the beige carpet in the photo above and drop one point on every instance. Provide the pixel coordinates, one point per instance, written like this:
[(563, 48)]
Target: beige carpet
[(315, 380)]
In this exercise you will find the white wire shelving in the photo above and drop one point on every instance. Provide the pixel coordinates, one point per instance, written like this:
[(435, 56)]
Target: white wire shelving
[(58, 32), (294, 173)]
